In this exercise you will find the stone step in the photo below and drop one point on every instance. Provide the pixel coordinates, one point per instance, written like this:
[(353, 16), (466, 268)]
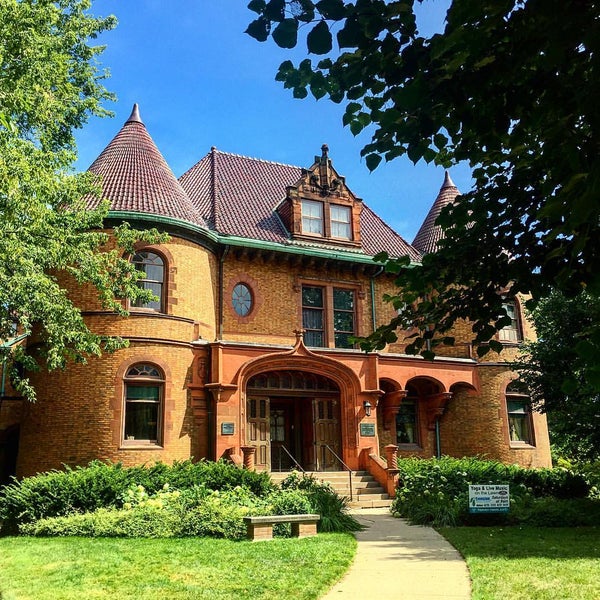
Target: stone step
[(366, 490), (359, 504)]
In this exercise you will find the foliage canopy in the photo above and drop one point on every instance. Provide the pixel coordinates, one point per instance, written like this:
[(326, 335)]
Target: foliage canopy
[(49, 86), (510, 88), (560, 376)]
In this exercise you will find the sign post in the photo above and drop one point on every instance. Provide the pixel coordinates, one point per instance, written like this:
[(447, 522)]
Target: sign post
[(489, 498)]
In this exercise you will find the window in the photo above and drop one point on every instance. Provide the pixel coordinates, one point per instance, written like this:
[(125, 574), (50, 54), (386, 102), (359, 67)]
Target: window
[(312, 217), (241, 299), (313, 315), (343, 317), (406, 422), (152, 265), (511, 332), (144, 387), (340, 222), (328, 316), (518, 408), (326, 220)]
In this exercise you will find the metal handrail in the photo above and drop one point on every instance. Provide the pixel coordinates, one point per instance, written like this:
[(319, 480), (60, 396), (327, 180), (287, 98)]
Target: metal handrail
[(293, 459), (344, 465)]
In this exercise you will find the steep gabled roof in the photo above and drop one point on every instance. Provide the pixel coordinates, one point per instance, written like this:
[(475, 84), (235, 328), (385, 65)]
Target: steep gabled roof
[(430, 234), (136, 178), (237, 195)]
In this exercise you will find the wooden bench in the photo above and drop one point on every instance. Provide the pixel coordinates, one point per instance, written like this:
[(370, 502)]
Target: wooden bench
[(261, 528)]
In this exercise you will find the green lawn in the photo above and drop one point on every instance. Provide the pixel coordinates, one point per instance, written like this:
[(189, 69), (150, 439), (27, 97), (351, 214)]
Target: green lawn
[(76, 568), (530, 563)]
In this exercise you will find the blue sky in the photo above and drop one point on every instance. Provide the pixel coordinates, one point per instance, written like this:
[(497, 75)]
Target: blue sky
[(200, 81)]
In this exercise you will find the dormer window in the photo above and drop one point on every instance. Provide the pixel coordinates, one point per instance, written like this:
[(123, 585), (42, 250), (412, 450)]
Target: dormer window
[(341, 222), (312, 217), (320, 205)]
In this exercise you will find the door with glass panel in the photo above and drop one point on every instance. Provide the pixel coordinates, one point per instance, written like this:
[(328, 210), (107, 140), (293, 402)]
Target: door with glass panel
[(327, 434), (258, 431)]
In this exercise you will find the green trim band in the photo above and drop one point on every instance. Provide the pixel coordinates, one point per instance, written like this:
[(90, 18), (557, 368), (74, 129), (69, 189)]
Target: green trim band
[(231, 240)]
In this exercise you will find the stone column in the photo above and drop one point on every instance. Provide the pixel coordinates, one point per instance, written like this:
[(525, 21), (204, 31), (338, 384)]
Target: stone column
[(391, 454)]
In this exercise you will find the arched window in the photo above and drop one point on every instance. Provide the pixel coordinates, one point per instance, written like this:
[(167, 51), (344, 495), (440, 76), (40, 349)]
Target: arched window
[(144, 397), (153, 267), (518, 408)]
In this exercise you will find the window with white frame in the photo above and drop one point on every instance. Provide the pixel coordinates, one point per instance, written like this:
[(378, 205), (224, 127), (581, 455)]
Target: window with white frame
[(340, 221), (312, 217), (153, 268)]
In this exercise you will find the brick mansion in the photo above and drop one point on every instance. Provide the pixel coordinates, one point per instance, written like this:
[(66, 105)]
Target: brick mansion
[(247, 351)]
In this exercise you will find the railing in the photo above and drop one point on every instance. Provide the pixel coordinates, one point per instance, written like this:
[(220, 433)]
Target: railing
[(282, 447), (344, 465)]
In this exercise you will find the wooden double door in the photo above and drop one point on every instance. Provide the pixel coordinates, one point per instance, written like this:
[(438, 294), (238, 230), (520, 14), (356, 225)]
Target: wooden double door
[(291, 432)]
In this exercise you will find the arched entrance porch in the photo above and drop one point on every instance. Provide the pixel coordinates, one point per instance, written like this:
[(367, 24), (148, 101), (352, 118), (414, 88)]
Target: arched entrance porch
[(293, 420)]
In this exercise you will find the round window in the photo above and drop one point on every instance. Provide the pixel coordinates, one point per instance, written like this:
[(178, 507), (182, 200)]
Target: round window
[(241, 298)]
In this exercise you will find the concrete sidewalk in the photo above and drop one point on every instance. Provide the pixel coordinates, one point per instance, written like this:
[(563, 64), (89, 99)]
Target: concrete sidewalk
[(397, 560)]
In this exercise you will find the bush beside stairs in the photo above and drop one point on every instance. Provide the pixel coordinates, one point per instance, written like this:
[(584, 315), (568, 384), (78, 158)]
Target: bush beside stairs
[(366, 490)]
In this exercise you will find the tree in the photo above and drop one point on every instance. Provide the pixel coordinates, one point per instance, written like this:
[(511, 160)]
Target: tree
[(510, 87), (49, 86), (554, 370)]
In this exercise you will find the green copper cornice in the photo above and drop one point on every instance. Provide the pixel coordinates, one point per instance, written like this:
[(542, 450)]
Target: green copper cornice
[(231, 240)]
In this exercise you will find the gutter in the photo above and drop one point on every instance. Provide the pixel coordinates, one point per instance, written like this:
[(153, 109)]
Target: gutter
[(232, 240)]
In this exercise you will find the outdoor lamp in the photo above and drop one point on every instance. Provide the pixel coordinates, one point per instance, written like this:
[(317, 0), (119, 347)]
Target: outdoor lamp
[(367, 406)]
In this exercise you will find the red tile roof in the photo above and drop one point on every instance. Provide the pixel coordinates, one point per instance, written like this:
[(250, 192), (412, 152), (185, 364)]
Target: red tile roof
[(136, 177), (238, 195), (227, 193), (430, 234)]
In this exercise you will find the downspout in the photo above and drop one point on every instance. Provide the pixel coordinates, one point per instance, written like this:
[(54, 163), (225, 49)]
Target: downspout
[(373, 309), (221, 292), (211, 417), (438, 443)]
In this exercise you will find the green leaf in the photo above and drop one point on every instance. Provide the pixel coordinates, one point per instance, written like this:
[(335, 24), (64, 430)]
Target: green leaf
[(319, 40), (372, 161), (286, 33), (257, 6), (496, 346), (275, 10), (259, 29), (300, 92), (332, 9), (351, 34)]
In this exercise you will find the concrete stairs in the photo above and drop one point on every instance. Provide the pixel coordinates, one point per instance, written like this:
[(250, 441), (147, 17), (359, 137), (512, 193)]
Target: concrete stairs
[(366, 490)]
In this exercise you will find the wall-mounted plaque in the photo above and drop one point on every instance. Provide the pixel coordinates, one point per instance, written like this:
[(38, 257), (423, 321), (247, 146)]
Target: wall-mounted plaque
[(227, 428), (367, 429)]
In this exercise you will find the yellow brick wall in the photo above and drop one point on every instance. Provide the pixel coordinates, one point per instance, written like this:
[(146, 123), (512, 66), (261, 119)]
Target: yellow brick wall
[(78, 415), (476, 423)]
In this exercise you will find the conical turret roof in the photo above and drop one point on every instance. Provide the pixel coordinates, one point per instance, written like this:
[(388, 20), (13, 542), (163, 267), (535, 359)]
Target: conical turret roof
[(430, 234), (136, 178)]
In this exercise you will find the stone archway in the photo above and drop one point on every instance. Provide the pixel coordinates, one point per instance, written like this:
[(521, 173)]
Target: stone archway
[(293, 420)]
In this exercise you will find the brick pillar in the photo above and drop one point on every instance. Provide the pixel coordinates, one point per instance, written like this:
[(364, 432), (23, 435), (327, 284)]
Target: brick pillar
[(391, 454), (249, 453)]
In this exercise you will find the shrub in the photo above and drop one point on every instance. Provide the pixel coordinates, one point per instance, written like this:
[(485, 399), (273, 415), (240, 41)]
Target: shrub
[(435, 491), (195, 512), (104, 485), (324, 501)]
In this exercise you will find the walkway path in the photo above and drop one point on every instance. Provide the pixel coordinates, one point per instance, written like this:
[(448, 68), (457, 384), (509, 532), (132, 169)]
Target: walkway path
[(395, 560)]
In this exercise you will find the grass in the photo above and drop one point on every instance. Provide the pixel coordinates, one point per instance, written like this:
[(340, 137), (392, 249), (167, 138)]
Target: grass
[(159, 569), (530, 563)]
